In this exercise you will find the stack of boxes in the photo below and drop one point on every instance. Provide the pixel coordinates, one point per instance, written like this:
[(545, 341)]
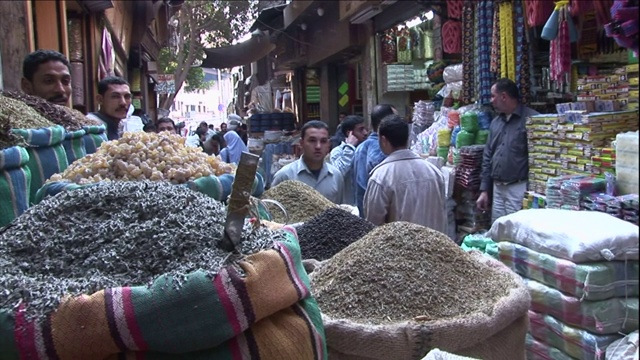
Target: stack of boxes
[(604, 92), (398, 77), (603, 161), (633, 78), (563, 144)]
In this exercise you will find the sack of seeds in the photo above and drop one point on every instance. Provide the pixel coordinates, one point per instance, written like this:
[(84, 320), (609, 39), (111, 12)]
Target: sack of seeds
[(74, 145), (404, 289), (94, 137), (46, 154), (15, 179), (138, 283), (219, 187)]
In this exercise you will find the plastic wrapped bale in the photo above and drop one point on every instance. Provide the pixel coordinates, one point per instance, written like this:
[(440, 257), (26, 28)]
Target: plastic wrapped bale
[(469, 122), (179, 296), (15, 181), (46, 154), (403, 290), (624, 349), (74, 145), (94, 137)]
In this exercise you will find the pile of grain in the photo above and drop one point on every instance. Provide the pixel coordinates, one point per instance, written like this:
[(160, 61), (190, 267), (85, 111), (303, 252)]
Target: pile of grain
[(144, 156), (112, 234), (301, 201), (402, 271), (61, 115), (15, 114), (331, 231)]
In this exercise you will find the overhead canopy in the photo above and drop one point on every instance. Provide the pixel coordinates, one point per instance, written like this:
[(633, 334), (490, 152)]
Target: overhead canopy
[(269, 15), (240, 54)]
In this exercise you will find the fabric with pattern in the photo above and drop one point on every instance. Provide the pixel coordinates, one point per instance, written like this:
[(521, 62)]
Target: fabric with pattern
[(507, 46), (485, 26), (468, 50)]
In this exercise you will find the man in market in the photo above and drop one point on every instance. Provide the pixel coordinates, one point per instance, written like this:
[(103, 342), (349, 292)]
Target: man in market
[(114, 99), (355, 132), (46, 74), (505, 162), (208, 132), (223, 128), (339, 136), (404, 187), (368, 155), (165, 124), (311, 168)]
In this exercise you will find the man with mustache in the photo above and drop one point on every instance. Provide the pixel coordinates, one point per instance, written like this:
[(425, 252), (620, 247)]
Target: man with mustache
[(114, 98), (46, 74)]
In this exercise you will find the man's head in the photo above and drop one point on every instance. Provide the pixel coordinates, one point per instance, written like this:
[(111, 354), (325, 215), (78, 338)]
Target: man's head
[(504, 96), (315, 142), (210, 126), (379, 112), (202, 134), (166, 124), (355, 124), (341, 116), (114, 97), (149, 127), (393, 134), (204, 126), (214, 144), (45, 73), (223, 127)]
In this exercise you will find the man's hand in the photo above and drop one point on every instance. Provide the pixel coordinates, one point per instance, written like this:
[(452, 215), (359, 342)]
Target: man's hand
[(351, 140), (483, 201)]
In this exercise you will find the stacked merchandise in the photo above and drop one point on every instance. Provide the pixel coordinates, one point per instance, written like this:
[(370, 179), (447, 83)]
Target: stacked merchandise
[(481, 243), (624, 207), (562, 144), (565, 192), (423, 113), (606, 91), (581, 269), (533, 200), (602, 162), (470, 220), (630, 207), (627, 162), (632, 77)]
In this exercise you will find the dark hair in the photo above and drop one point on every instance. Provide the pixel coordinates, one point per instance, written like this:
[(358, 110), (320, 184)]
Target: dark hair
[(505, 85), (378, 113), (200, 131), (315, 124), (166, 120), (149, 127), (103, 85), (243, 126), (32, 61), (219, 138), (350, 122), (395, 129), (343, 113), (203, 123)]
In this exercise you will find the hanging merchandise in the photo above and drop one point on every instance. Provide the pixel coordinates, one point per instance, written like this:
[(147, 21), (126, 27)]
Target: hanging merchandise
[(452, 37), (603, 11), (495, 43), (484, 26), (454, 9), (417, 43), (507, 46), (429, 42), (468, 48), (538, 11), (404, 46), (523, 76), (560, 51), (580, 7), (624, 27), (388, 47)]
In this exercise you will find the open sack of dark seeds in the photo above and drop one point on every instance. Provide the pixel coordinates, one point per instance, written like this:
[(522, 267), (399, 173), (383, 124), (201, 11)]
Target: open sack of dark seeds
[(404, 289), (131, 270)]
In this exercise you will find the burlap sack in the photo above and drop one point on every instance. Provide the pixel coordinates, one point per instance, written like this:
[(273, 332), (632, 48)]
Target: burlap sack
[(495, 336)]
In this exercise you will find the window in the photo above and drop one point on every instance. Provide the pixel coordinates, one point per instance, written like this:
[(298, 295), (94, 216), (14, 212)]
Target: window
[(193, 108)]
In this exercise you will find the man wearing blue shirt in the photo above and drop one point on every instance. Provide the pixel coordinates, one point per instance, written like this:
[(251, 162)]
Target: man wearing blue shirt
[(368, 155)]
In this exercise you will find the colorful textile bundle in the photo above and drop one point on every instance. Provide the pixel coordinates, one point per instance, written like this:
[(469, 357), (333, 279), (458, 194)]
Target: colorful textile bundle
[(470, 166), (15, 180)]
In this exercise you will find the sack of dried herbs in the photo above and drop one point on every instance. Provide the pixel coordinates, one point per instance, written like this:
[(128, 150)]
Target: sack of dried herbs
[(15, 179), (130, 269), (46, 154), (301, 201), (74, 145), (404, 289)]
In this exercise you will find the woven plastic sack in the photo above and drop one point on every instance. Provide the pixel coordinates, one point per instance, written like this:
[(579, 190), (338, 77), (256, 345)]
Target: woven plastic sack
[(438, 354), (465, 138), (94, 137), (624, 349), (481, 137), (443, 152), (74, 145), (46, 154), (444, 137), (469, 121), (537, 350), (577, 343), (590, 281), (15, 181), (267, 313), (484, 120), (497, 336)]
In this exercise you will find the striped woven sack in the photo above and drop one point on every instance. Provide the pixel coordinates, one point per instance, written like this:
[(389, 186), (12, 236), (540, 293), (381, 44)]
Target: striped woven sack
[(15, 180), (538, 350), (74, 145), (94, 137), (262, 311), (46, 154)]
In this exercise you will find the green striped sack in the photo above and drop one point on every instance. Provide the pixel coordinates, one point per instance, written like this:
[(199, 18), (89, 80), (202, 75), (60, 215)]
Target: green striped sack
[(219, 187), (74, 145), (94, 137), (15, 180), (46, 154)]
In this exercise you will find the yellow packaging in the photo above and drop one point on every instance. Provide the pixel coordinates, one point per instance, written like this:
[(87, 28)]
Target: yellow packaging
[(632, 68)]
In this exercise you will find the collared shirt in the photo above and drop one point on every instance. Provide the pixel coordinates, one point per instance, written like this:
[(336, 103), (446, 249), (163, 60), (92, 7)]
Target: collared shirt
[(113, 128), (342, 158), (368, 155), (328, 183), (405, 187), (506, 154)]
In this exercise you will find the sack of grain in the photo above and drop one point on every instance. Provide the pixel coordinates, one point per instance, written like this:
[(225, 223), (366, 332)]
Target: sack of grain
[(74, 145), (437, 354), (624, 349), (15, 180), (94, 137), (46, 154), (577, 236), (404, 289), (538, 350), (180, 297)]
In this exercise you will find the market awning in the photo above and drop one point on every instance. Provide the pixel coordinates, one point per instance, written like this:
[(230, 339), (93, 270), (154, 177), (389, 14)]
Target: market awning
[(240, 54)]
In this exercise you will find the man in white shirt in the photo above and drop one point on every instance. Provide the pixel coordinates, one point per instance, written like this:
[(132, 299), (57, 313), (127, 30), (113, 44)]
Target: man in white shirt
[(404, 187), (355, 132), (311, 168)]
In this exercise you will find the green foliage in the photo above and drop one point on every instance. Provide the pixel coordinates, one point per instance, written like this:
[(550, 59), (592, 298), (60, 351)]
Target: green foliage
[(195, 77)]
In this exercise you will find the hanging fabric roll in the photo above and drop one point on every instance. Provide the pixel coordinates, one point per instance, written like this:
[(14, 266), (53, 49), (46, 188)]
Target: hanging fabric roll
[(485, 53), (437, 38), (507, 46), (523, 78), (476, 50), (468, 39), (538, 11), (495, 42), (452, 37), (560, 51)]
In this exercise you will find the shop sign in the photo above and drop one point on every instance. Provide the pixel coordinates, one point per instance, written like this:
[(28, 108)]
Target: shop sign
[(165, 84)]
